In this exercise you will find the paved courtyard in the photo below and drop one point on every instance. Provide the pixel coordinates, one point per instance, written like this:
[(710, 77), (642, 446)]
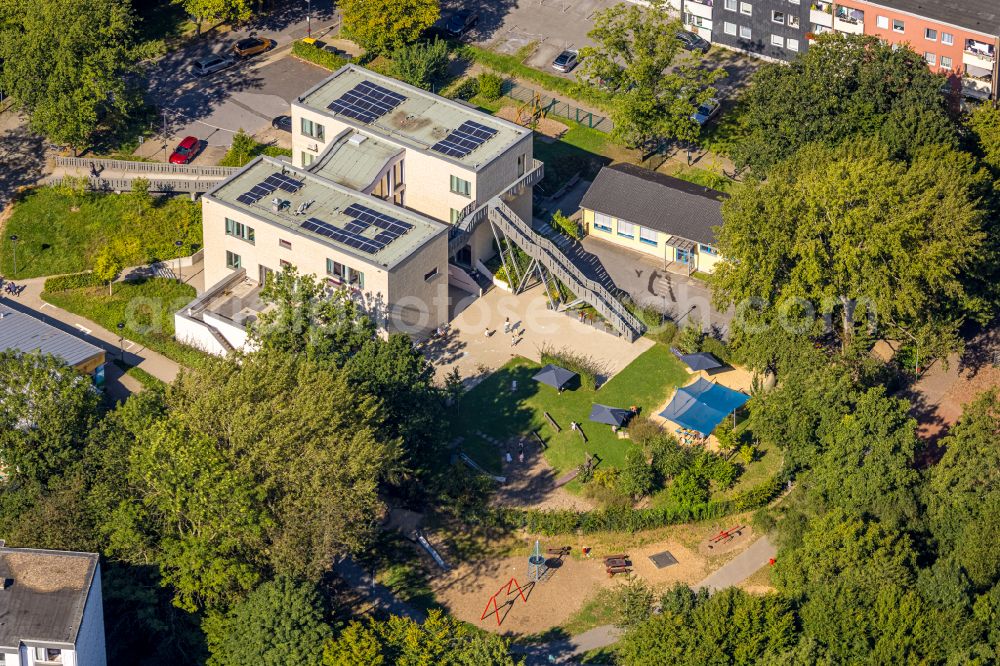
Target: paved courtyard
[(467, 347)]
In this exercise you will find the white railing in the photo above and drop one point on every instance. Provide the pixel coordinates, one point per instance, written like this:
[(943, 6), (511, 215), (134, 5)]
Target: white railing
[(146, 167)]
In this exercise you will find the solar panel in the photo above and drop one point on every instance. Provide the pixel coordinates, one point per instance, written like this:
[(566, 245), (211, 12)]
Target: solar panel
[(286, 183), (247, 198), (462, 141), (370, 217), (322, 228), (366, 102)]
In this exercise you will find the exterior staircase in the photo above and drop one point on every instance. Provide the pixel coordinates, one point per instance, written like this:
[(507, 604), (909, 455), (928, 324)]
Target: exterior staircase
[(560, 266)]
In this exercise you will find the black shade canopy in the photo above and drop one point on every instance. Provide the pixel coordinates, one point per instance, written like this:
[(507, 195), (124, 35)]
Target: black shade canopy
[(610, 415), (698, 361), (554, 376)]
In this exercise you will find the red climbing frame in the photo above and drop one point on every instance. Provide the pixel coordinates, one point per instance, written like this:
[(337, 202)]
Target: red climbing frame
[(505, 588)]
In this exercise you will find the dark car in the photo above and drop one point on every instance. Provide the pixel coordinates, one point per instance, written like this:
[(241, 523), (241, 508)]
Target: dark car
[(565, 61), (252, 46), (693, 42), (283, 123), (461, 22), (210, 65), (185, 151), (706, 111)]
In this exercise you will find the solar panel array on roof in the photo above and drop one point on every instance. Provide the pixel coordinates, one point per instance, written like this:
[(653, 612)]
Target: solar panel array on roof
[(286, 183), (368, 217), (257, 192), (469, 136), (363, 218), (366, 102), (366, 245)]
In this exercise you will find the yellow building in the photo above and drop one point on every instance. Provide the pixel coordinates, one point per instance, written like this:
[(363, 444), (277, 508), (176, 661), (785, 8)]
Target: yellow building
[(655, 214)]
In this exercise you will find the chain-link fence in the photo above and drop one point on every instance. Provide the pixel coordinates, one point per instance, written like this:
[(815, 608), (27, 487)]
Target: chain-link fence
[(554, 106)]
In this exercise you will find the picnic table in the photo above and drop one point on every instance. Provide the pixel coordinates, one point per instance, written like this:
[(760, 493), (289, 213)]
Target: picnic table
[(611, 571), (616, 563)]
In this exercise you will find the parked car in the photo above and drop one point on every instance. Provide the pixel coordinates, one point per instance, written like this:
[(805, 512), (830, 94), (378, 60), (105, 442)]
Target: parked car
[(461, 22), (693, 42), (211, 65), (283, 123), (566, 61), (185, 151), (706, 111), (251, 46)]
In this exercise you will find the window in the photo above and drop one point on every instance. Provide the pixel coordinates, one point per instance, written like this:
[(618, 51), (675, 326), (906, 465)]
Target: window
[(53, 655), (793, 21), (459, 186), (336, 269), (947, 38), (521, 159), (341, 274), (746, 8), (707, 249), (625, 229), (233, 260), (744, 32), (431, 274), (793, 2), (287, 245), (777, 40), (284, 264), (602, 222), (307, 158), (931, 34), (930, 58), (778, 17), (647, 236), (946, 62), (239, 230), (315, 130), (897, 25), (455, 215), (792, 44), (882, 22), (729, 28), (697, 21), (731, 5)]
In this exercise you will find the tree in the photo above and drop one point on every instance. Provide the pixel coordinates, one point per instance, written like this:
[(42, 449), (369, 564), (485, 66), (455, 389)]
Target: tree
[(853, 234), (636, 479), (384, 25), (441, 639), (46, 410), (280, 622), (690, 338), (242, 149), (423, 64), (219, 10), (843, 87), (107, 266), (985, 125), (67, 65), (654, 92)]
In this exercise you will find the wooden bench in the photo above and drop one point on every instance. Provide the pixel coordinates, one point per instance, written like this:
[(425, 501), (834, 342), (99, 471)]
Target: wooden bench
[(541, 442), (552, 422), (611, 571), (558, 551), (619, 556)]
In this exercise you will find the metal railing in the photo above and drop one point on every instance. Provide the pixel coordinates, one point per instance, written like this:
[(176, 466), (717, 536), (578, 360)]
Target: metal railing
[(146, 167), (550, 105), (538, 247), (189, 185), (473, 214)]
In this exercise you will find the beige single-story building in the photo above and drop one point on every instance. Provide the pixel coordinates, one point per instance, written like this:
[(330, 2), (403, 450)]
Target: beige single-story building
[(655, 214)]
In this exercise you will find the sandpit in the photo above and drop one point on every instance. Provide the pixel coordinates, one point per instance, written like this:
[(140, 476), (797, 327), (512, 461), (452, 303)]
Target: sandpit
[(545, 126)]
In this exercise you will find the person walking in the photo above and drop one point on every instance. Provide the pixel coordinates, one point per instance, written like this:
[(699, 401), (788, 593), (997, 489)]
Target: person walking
[(506, 326)]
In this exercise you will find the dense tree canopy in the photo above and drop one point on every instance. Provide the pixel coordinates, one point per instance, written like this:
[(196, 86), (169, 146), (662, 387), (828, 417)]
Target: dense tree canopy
[(384, 25), (656, 89), (67, 64), (218, 10), (844, 86)]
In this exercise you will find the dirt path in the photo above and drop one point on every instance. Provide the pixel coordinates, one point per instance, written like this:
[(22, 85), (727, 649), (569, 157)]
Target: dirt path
[(532, 484)]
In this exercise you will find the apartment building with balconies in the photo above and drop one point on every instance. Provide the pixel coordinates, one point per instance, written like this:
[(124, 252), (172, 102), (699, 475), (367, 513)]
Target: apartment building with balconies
[(770, 29)]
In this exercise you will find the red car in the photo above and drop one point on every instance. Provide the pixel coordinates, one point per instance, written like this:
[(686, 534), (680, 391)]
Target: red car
[(185, 151)]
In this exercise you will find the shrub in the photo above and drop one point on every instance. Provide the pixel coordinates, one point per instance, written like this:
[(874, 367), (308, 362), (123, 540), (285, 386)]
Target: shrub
[(690, 339), (467, 89), (669, 458), (73, 281), (747, 453), (588, 369), (566, 225), (665, 333), (490, 86), (636, 478), (317, 56), (716, 348), (421, 64), (643, 431)]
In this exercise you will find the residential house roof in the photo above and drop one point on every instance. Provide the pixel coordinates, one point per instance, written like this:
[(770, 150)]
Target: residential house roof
[(656, 201), (27, 334)]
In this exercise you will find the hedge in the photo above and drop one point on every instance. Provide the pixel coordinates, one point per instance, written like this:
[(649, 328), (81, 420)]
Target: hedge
[(73, 281), (317, 56), (626, 519)]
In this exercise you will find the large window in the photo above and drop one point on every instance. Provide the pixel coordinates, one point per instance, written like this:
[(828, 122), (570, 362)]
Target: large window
[(731, 5), (931, 34), (777, 40), (898, 26), (793, 21), (625, 229), (602, 222), (946, 62), (315, 130), (341, 274), (778, 17), (792, 44), (745, 32), (882, 22), (647, 236), (746, 8), (239, 230), (729, 28), (454, 215), (930, 58), (430, 275), (947, 38), (707, 249), (307, 158), (459, 186), (233, 260)]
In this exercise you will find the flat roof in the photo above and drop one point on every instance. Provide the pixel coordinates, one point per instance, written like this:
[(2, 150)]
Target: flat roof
[(354, 159), (326, 201), (420, 121), (27, 334), (976, 15), (45, 596), (656, 201)]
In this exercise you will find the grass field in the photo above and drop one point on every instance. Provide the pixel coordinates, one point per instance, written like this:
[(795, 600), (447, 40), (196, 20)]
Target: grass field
[(492, 408), (54, 238), (146, 308)]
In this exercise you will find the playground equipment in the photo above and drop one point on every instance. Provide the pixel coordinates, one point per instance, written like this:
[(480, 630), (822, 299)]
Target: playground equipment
[(536, 564), (512, 583), (725, 536), (529, 113), (422, 540)]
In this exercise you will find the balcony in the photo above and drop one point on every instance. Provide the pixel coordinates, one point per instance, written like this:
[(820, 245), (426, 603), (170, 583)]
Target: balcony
[(707, 3), (979, 55), (977, 81), (821, 13), (699, 8), (851, 21)]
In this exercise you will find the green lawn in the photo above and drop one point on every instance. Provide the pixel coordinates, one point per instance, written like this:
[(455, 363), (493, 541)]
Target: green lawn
[(146, 308), (54, 238), (705, 178), (492, 408)]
